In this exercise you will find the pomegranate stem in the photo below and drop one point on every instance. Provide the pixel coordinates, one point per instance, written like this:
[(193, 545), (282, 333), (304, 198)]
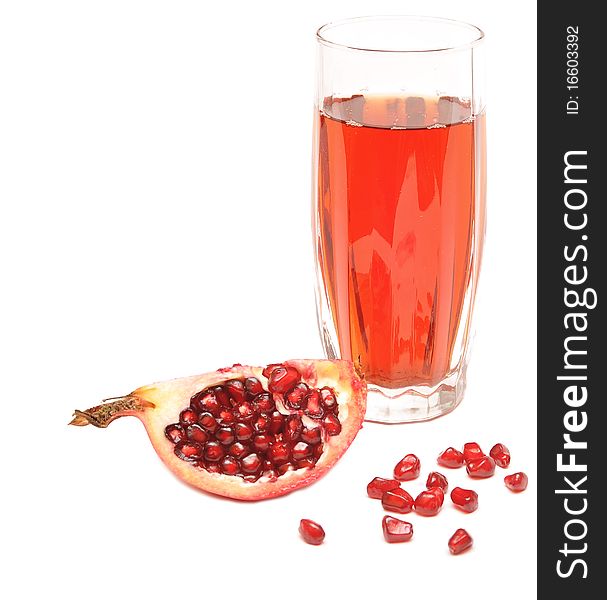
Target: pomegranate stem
[(104, 414)]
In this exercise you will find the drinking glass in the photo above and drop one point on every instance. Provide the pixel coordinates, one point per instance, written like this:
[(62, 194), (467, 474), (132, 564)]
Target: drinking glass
[(399, 205)]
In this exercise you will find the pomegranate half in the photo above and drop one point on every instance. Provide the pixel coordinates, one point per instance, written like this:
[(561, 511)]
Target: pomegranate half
[(244, 432)]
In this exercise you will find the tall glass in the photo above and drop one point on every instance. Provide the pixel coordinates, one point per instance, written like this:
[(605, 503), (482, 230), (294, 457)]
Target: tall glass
[(399, 205)]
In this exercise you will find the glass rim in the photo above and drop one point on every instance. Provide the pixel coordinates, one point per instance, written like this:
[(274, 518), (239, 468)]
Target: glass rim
[(325, 41)]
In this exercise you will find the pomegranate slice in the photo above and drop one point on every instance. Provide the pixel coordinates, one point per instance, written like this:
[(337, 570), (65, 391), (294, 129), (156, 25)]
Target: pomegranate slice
[(232, 433)]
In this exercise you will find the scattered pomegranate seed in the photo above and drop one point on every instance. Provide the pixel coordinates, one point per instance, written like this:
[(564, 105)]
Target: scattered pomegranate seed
[(466, 500), (472, 451), (396, 530), (436, 479), (501, 455), (451, 458), (460, 541), (377, 486), (407, 468), (429, 502), (311, 532), (517, 482), (480, 467), (397, 500)]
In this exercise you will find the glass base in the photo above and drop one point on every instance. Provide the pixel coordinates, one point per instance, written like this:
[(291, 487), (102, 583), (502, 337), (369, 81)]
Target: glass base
[(415, 403)]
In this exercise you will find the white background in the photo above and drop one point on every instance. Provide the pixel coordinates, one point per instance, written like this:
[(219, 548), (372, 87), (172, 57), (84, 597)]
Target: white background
[(155, 184)]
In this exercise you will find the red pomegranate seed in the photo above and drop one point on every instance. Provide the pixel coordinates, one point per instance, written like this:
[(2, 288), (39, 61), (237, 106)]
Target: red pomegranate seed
[(396, 530), (213, 452), (243, 432), (253, 386), (311, 532), (480, 467), (261, 442), (187, 417), (332, 424), (460, 541), (314, 408), (250, 464), (472, 451), (300, 451), (211, 467), (429, 502), (276, 422), (222, 397), (268, 370), (279, 453), (436, 479), (206, 401), (311, 435), (208, 422), (397, 500), (265, 403), (235, 388), (226, 416), (501, 455), (175, 433), (295, 398), (377, 486), (328, 398), (451, 458), (238, 450), (224, 435), (246, 410), (317, 451), (407, 468), (197, 434), (261, 424), (517, 482), (292, 428), (466, 500), (229, 466), (190, 451), (282, 379), (306, 463)]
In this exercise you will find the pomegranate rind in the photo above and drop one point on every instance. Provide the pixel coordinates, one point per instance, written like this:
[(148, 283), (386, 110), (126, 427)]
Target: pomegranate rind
[(170, 397)]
